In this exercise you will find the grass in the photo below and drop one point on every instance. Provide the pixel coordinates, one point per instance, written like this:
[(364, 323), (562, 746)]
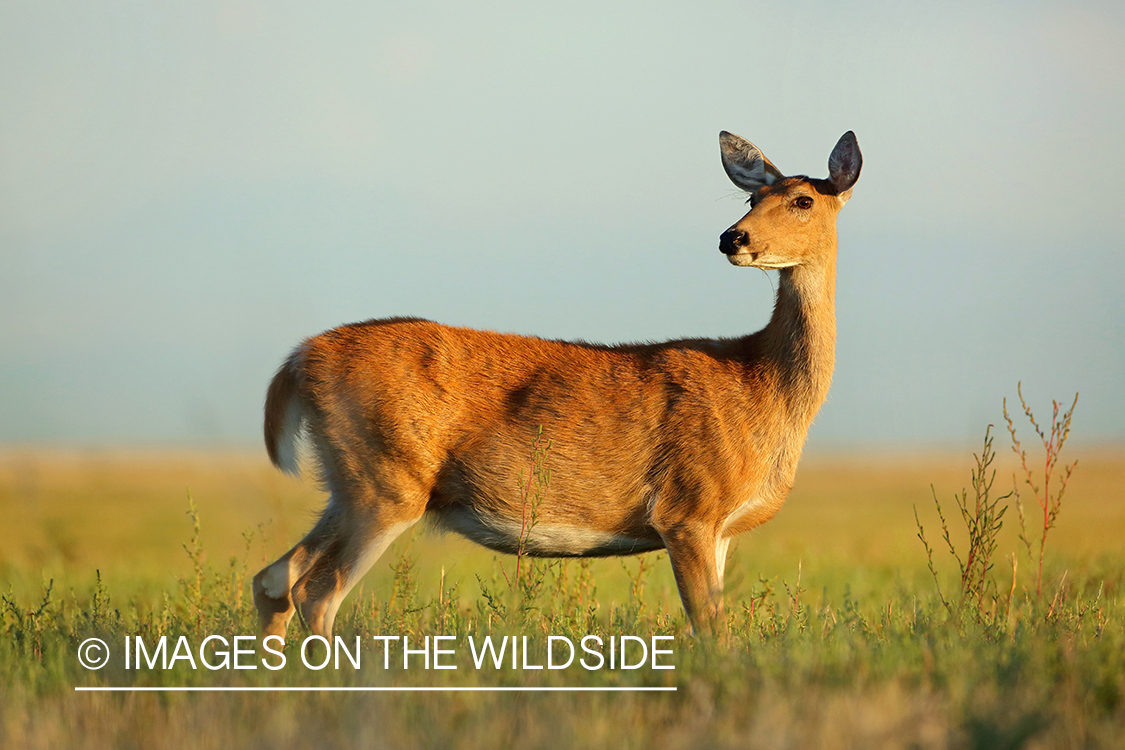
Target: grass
[(838, 636)]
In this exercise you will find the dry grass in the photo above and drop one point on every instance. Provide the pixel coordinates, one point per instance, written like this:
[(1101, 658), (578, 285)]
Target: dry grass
[(69, 512)]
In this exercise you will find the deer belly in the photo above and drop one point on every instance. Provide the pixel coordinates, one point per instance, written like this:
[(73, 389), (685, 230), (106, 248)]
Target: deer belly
[(538, 539)]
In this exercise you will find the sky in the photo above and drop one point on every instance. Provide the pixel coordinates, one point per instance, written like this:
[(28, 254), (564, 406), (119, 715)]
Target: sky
[(189, 189)]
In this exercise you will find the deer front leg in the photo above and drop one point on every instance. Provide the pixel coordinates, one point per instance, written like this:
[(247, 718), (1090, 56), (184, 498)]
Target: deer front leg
[(698, 557)]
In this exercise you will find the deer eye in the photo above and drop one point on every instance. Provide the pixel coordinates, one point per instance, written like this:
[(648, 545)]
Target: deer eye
[(804, 202)]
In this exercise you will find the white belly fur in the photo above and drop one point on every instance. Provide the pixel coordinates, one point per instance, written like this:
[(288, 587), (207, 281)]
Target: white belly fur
[(540, 540)]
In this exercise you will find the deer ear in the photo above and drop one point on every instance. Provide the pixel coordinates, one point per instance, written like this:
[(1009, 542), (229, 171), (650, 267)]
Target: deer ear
[(746, 166), (844, 164)]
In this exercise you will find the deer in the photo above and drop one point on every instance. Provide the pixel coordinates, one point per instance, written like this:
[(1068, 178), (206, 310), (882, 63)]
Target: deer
[(680, 445)]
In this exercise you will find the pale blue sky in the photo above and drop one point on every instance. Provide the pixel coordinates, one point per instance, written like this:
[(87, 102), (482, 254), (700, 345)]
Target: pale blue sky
[(187, 189)]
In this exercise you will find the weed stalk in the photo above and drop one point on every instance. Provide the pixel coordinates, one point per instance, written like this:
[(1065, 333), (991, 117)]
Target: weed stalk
[(983, 517), (1049, 502)]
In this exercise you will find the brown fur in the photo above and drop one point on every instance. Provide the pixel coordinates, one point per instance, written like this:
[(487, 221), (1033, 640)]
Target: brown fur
[(678, 445)]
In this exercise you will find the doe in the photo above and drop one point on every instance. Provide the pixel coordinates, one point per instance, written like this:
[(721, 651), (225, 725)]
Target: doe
[(679, 445)]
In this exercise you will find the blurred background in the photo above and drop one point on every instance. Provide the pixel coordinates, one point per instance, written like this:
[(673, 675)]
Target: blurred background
[(188, 189)]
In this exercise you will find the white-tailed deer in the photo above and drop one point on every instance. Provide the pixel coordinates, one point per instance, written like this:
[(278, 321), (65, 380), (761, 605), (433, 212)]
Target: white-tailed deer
[(679, 445)]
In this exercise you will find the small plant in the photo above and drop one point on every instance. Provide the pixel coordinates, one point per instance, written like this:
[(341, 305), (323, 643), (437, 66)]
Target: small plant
[(1050, 502), (758, 599), (27, 624), (401, 612), (983, 517), (573, 591), (193, 589), (638, 582), (633, 609), (532, 489), (446, 604), (794, 596)]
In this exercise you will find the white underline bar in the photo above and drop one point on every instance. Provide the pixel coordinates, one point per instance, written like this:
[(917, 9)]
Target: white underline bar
[(253, 689)]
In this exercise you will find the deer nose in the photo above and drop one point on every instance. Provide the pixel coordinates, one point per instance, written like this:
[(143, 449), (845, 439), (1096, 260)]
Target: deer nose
[(732, 240)]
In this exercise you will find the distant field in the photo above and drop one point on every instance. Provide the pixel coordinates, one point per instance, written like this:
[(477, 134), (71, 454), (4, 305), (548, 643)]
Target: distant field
[(67, 513), (859, 654)]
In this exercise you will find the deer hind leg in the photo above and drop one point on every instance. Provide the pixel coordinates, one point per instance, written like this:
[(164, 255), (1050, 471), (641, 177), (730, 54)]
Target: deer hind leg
[(698, 558), (322, 568), (320, 591), (274, 583)]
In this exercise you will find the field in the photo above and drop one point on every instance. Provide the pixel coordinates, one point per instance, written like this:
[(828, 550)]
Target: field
[(837, 635)]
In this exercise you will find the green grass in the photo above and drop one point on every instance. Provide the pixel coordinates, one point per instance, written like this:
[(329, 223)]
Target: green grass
[(837, 636)]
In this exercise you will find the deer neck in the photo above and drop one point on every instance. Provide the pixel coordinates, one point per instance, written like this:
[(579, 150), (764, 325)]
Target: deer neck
[(799, 343)]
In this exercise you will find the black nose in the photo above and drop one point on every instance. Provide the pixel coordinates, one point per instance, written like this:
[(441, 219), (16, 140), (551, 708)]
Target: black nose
[(732, 240)]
